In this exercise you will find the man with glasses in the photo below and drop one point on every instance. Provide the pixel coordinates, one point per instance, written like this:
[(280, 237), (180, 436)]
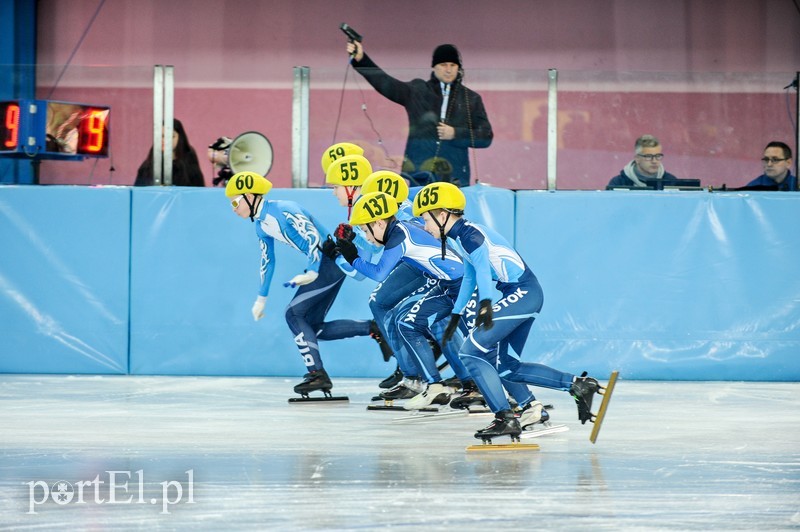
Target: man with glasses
[(645, 170), (777, 161)]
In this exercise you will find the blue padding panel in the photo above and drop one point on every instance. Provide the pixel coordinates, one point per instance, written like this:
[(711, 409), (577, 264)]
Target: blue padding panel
[(64, 279), (195, 275), (683, 285)]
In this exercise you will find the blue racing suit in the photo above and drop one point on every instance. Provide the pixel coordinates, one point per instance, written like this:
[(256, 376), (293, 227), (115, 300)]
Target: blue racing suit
[(488, 259), (288, 222), (408, 244)]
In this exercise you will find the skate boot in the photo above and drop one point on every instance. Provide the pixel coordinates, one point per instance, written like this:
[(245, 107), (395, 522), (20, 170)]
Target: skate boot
[(583, 390), (435, 394), (532, 414), (392, 380), (313, 381), (505, 424), (406, 389), (453, 382), (375, 333), (469, 396)]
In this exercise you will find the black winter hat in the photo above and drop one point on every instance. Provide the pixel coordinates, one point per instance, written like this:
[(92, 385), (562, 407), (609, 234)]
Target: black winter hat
[(446, 53)]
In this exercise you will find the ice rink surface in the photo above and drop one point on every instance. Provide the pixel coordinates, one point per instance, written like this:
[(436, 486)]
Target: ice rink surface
[(216, 453)]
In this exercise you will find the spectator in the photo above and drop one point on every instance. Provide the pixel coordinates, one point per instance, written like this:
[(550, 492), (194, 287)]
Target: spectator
[(777, 161), (185, 166), (645, 170)]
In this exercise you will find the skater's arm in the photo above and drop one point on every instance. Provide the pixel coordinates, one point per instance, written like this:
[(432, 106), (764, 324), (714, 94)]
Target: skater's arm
[(381, 270), (267, 266), (349, 270), (466, 289), (482, 267)]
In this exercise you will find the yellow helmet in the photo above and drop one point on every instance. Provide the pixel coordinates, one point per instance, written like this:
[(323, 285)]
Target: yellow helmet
[(386, 181), (337, 151), (373, 206), (348, 171), (439, 196), (247, 183)]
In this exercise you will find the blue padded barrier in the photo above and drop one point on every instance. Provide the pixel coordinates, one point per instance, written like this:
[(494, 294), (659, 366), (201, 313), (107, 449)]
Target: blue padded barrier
[(665, 285), (194, 277), (64, 279), (661, 285)]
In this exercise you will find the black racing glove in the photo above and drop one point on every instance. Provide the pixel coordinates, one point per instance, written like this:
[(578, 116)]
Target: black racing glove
[(452, 325), (348, 250), (345, 232), (484, 315), (328, 248)]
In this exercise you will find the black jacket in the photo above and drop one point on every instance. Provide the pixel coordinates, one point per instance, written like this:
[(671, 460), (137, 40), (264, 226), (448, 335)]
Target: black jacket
[(423, 101)]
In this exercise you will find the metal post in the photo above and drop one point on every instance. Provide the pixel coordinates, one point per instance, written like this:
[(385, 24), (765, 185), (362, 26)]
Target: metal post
[(169, 98), (163, 114), (300, 95), (552, 127), (797, 125), (158, 121)]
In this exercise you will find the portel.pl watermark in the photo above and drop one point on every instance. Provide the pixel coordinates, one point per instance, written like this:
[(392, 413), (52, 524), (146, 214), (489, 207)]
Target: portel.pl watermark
[(118, 487)]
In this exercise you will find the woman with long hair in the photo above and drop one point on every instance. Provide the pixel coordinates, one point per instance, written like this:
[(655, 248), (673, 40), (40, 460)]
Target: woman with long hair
[(185, 166)]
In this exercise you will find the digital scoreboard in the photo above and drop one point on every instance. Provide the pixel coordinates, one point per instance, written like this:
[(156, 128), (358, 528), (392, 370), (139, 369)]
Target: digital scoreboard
[(44, 129)]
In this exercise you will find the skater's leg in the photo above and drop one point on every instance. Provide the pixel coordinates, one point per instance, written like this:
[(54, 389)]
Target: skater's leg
[(520, 392), (307, 309), (403, 280), (339, 329), (414, 318), (450, 350)]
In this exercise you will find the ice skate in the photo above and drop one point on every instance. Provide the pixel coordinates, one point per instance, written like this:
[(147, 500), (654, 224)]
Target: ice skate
[(532, 414), (317, 380), (534, 420), (405, 389), (583, 390), (454, 383), (392, 380), (505, 424), (435, 394), (375, 333), (468, 398), (597, 419)]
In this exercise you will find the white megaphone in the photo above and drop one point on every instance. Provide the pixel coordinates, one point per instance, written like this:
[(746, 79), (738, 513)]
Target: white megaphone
[(250, 152)]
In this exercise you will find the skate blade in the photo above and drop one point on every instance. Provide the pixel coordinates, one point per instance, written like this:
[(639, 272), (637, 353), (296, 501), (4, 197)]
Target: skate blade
[(543, 431), (420, 416), (324, 399), (399, 408), (493, 447), (597, 419)]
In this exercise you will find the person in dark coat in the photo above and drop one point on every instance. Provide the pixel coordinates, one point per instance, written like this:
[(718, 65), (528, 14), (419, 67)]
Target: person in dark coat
[(445, 118)]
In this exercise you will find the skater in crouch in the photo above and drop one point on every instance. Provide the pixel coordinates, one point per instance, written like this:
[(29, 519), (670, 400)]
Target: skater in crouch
[(346, 172), (317, 286), (490, 262), (408, 242)]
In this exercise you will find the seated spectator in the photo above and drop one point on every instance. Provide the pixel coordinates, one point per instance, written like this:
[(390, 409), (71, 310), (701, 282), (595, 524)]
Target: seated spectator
[(185, 166), (777, 161), (645, 170)]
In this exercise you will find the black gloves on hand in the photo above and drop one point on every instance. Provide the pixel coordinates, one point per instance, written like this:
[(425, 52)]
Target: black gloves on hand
[(484, 314), (348, 250), (452, 325), (344, 232), (328, 248)]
